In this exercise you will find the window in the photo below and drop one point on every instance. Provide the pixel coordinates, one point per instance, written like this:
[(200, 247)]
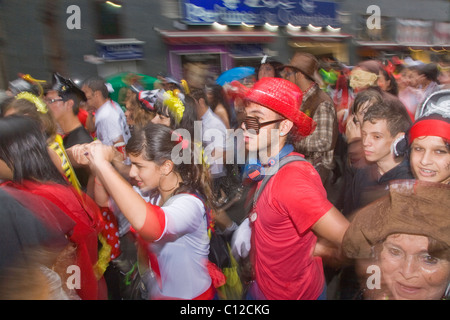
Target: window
[(108, 16)]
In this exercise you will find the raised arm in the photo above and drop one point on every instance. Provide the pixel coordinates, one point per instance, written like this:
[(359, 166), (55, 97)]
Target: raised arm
[(144, 217)]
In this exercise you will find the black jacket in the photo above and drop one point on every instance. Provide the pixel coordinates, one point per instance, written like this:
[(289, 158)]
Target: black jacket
[(368, 186)]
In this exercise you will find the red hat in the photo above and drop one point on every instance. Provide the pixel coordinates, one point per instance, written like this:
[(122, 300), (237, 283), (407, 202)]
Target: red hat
[(283, 97)]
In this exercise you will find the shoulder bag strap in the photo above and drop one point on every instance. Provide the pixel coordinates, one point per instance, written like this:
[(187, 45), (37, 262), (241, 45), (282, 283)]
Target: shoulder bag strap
[(284, 161)]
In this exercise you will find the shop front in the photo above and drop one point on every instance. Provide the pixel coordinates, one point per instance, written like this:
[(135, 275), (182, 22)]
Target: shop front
[(202, 55), (117, 55), (427, 41), (222, 34), (422, 40), (326, 43)]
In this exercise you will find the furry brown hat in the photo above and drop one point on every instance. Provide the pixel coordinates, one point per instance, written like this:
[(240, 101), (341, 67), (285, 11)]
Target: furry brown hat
[(412, 207)]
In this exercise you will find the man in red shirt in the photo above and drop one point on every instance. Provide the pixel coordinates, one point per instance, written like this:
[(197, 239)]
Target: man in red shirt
[(292, 211)]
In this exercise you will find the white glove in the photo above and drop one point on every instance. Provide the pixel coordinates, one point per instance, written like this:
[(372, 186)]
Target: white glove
[(240, 242)]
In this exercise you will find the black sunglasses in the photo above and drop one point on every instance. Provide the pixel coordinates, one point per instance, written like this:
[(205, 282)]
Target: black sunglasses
[(254, 124)]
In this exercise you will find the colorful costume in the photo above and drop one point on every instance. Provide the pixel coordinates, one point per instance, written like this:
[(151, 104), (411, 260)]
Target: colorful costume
[(58, 146), (179, 257), (81, 209)]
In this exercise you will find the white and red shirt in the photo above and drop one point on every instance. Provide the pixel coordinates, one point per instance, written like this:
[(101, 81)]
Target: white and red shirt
[(182, 250)]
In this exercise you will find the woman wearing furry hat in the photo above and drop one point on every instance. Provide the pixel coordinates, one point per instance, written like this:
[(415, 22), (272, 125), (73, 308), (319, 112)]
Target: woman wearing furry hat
[(403, 242)]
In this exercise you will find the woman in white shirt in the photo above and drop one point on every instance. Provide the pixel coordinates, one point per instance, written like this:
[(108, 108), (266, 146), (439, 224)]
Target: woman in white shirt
[(174, 222)]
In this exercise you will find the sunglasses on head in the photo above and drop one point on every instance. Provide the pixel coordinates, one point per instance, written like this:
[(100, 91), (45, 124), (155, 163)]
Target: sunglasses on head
[(252, 123)]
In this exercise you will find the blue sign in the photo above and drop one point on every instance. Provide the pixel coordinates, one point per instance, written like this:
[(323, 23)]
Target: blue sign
[(259, 12), (120, 50)]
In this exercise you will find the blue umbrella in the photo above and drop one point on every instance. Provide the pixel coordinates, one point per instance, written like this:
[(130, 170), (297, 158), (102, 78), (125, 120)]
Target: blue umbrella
[(237, 73)]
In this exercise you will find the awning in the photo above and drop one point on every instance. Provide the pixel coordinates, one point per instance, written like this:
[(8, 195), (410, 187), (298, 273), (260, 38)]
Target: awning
[(216, 37), (258, 13)]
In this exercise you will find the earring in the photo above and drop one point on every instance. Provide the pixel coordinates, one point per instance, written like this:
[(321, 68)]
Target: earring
[(281, 133)]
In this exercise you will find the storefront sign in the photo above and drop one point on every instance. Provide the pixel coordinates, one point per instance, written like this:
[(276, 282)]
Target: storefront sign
[(246, 50), (120, 49), (441, 34), (414, 32), (259, 12)]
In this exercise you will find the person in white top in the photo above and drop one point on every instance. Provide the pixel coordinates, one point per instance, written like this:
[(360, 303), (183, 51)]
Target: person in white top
[(215, 141), (110, 121), (174, 222)]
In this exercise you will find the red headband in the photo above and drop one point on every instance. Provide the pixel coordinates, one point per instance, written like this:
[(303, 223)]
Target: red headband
[(430, 127)]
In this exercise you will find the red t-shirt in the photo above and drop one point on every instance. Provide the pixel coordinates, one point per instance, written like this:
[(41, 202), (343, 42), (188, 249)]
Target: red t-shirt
[(82, 116), (292, 202)]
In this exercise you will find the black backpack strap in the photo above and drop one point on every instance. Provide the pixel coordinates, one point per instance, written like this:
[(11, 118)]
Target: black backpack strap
[(284, 161)]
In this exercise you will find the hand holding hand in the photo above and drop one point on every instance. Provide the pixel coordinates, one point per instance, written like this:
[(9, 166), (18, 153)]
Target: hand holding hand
[(78, 154), (97, 153)]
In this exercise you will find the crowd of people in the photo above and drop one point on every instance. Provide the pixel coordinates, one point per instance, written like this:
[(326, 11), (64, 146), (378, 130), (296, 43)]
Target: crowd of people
[(309, 180)]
